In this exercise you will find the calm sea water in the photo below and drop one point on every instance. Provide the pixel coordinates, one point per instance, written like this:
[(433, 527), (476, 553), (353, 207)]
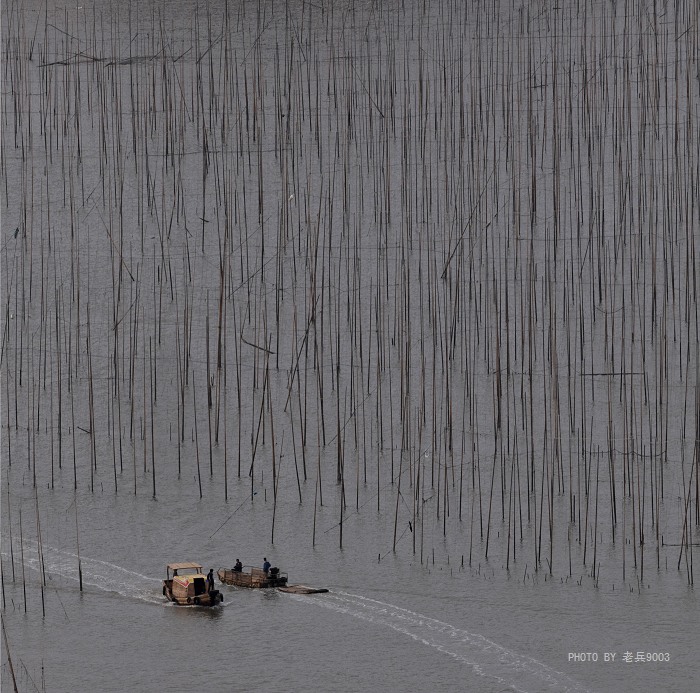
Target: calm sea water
[(399, 295), (390, 624)]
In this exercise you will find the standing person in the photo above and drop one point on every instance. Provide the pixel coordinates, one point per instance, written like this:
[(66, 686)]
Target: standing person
[(210, 580), (266, 566), (239, 566)]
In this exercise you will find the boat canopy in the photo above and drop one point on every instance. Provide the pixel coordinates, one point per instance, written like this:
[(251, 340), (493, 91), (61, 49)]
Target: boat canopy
[(185, 566)]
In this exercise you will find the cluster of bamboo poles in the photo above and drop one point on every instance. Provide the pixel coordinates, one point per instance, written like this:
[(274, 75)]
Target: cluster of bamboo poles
[(444, 259)]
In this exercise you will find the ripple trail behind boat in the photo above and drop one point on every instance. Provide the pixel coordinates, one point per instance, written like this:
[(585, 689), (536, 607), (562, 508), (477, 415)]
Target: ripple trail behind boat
[(103, 575), (489, 659)]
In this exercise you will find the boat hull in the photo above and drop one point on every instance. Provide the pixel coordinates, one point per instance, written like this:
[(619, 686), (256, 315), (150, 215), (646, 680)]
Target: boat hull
[(207, 599)]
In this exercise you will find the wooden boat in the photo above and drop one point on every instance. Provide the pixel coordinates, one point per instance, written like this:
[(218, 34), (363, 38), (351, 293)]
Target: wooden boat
[(186, 585), (255, 577), (252, 577)]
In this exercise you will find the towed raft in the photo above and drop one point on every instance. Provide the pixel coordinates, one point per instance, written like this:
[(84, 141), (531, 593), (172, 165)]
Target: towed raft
[(302, 589), (252, 577), (188, 586)]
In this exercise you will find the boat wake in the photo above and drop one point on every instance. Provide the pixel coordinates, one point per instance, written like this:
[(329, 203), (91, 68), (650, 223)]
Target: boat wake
[(512, 670), (100, 574)]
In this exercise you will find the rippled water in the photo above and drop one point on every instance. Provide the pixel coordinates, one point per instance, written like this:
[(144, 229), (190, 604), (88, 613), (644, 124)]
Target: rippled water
[(391, 624), (400, 295)]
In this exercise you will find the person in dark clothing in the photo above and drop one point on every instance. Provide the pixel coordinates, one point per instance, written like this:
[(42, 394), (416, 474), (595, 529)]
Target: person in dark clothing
[(239, 566), (266, 566), (210, 580)]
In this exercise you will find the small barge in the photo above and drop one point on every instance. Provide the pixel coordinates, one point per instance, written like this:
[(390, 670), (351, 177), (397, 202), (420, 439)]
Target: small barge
[(248, 576), (186, 585)]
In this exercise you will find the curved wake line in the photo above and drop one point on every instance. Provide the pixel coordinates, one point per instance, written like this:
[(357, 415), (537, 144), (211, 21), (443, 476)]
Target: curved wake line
[(487, 658), (101, 574)]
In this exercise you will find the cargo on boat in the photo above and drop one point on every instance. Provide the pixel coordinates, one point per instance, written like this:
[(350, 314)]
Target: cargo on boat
[(248, 576), (186, 585)]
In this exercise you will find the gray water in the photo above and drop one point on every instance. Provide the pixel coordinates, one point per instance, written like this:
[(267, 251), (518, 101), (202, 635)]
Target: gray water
[(402, 296)]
